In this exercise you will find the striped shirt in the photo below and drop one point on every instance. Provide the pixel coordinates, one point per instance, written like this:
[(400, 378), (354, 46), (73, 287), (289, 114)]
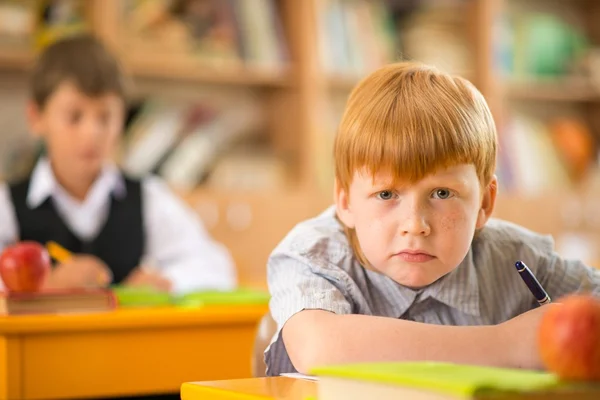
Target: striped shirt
[(314, 268)]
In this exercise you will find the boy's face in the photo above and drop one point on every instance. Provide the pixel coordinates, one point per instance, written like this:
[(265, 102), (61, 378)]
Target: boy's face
[(416, 233), (80, 131)]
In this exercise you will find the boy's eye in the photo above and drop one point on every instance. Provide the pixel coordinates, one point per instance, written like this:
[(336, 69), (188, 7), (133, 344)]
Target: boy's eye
[(442, 194), (385, 195)]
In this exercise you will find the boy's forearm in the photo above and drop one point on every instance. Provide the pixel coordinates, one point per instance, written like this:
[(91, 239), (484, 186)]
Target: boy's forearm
[(314, 337)]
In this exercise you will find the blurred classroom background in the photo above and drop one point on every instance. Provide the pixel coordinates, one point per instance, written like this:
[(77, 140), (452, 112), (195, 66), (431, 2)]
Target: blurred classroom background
[(235, 102)]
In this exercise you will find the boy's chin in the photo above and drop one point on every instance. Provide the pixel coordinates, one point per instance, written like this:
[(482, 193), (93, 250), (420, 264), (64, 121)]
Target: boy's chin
[(89, 167), (413, 277)]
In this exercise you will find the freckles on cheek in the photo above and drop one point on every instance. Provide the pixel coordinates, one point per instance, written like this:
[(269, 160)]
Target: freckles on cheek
[(452, 222)]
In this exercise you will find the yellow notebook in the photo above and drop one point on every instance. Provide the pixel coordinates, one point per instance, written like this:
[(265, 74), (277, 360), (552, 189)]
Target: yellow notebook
[(437, 381)]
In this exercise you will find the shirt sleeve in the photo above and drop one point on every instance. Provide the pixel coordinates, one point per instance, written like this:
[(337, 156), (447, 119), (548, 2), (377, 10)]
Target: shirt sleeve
[(296, 286), (178, 244), (560, 276), (8, 221), (296, 283)]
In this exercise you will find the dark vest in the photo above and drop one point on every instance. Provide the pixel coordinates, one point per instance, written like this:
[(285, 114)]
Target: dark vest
[(120, 243)]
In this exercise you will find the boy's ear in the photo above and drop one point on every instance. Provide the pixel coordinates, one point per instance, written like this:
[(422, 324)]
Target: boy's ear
[(342, 205), (488, 201), (35, 118)]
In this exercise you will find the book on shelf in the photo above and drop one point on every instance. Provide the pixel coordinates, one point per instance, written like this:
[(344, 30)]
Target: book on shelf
[(441, 381), (172, 28), (260, 33), (57, 302), (185, 142), (192, 160), (355, 37), (537, 155), (157, 129), (530, 156), (436, 34), (215, 32)]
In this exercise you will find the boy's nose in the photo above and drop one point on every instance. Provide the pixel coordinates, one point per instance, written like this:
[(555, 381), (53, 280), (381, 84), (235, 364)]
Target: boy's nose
[(414, 219), (415, 225)]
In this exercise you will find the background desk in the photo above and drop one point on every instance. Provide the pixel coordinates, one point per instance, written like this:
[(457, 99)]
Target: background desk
[(274, 388), (125, 352)]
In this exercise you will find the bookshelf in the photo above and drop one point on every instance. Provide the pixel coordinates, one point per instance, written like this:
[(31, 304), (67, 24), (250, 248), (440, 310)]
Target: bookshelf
[(566, 91), (543, 83), (302, 93)]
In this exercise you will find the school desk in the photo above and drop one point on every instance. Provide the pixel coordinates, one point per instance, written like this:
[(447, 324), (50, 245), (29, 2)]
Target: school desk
[(282, 388), (124, 352), (278, 388)]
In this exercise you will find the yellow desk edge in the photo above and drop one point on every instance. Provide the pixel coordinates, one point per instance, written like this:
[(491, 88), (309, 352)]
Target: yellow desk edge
[(132, 318), (191, 391), (269, 388)]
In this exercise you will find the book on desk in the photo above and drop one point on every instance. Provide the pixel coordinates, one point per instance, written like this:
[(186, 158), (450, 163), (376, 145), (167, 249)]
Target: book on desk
[(96, 300), (57, 302), (442, 381)]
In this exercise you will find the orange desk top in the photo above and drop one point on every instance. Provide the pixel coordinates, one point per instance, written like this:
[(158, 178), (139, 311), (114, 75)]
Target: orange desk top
[(124, 352), (273, 388), (131, 318)]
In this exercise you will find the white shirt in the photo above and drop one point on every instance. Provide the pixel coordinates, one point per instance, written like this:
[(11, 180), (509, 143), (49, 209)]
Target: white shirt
[(176, 242)]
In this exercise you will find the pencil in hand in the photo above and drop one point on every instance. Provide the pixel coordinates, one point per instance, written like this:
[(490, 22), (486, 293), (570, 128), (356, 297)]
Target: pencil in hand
[(63, 255), (58, 252)]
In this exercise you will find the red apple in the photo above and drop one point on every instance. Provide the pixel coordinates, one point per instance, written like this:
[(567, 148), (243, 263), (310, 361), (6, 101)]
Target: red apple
[(24, 266), (569, 338)]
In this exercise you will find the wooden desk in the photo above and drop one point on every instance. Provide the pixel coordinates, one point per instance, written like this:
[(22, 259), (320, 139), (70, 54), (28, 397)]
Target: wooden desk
[(125, 352), (250, 389)]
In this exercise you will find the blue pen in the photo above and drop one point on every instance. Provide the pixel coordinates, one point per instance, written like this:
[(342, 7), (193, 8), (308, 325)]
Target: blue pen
[(532, 283)]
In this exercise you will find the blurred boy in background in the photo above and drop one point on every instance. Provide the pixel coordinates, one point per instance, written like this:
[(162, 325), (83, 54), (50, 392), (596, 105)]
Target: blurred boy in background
[(120, 230)]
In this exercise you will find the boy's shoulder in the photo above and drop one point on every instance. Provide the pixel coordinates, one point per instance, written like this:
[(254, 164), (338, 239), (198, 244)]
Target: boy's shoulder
[(500, 239), (319, 239)]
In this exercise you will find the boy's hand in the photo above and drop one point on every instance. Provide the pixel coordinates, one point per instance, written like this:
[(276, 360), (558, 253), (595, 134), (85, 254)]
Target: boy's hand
[(79, 271), (149, 277), (521, 335)]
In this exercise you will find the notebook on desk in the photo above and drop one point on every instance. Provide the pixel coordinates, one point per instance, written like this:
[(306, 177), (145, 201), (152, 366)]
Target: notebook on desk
[(147, 297), (442, 381)]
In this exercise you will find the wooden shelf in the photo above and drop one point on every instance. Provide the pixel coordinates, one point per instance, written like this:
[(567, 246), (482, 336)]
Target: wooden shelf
[(342, 81), (195, 71), (188, 70), (16, 59), (346, 81), (574, 90)]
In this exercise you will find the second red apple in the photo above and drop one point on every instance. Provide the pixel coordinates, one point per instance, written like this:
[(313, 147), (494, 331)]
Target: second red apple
[(24, 267)]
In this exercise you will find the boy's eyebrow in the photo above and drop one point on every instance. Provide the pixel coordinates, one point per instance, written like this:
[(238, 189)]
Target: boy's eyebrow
[(437, 180), (384, 183), (449, 181)]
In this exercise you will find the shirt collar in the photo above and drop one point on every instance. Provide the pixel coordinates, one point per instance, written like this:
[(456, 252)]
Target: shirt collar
[(396, 298), (459, 289), (43, 183)]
